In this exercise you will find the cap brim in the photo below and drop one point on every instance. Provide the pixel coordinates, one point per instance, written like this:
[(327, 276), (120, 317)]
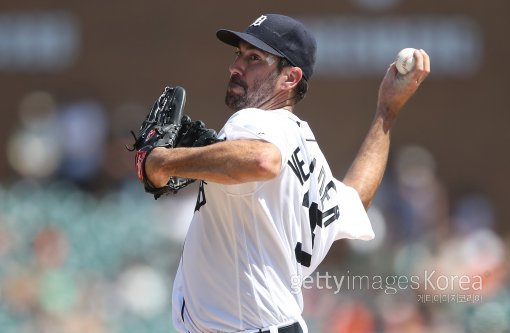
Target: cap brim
[(233, 37)]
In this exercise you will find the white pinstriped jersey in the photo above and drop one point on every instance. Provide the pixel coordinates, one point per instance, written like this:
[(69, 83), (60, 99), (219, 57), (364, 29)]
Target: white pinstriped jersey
[(248, 244)]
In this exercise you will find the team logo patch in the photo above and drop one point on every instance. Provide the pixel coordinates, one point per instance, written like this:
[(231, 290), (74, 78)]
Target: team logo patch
[(151, 134), (259, 21)]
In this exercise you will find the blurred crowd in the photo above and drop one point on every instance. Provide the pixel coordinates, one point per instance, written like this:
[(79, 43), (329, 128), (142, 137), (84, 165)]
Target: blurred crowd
[(84, 249)]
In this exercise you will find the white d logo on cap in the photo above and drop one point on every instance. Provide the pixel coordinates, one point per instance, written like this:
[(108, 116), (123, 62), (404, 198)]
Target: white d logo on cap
[(259, 21)]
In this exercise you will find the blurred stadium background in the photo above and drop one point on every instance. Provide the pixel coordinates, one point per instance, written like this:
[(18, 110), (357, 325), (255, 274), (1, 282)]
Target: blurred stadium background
[(84, 249)]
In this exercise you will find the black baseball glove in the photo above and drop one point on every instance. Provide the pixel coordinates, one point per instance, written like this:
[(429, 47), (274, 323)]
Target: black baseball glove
[(166, 126)]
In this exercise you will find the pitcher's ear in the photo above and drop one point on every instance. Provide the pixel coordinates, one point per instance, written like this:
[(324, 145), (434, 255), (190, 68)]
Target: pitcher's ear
[(292, 77)]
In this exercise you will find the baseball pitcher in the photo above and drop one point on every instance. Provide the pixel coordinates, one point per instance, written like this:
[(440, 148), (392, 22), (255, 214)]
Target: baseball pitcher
[(269, 207)]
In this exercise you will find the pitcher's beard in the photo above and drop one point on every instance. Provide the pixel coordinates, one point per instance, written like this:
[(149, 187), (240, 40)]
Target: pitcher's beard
[(261, 92), (235, 101)]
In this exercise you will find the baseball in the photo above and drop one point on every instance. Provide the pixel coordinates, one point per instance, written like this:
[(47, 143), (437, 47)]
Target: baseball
[(405, 60)]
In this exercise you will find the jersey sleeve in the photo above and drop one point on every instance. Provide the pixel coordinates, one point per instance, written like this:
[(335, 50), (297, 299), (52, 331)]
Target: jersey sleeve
[(353, 221), (255, 124)]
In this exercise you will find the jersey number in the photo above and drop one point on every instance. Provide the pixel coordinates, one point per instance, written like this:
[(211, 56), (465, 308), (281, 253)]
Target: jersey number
[(315, 215)]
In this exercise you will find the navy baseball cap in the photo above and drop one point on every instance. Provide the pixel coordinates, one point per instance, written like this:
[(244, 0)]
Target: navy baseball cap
[(279, 35)]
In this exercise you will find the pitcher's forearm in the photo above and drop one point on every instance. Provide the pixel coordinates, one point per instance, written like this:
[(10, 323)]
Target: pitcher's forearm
[(367, 170), (228, 162)]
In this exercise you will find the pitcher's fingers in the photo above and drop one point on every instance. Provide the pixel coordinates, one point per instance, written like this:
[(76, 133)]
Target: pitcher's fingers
[(422, 61), (426, 61), (419, 66), (422, 66)]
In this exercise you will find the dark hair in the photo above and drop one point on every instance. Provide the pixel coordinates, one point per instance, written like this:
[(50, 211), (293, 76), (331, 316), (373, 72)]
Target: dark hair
[(302, 86)]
